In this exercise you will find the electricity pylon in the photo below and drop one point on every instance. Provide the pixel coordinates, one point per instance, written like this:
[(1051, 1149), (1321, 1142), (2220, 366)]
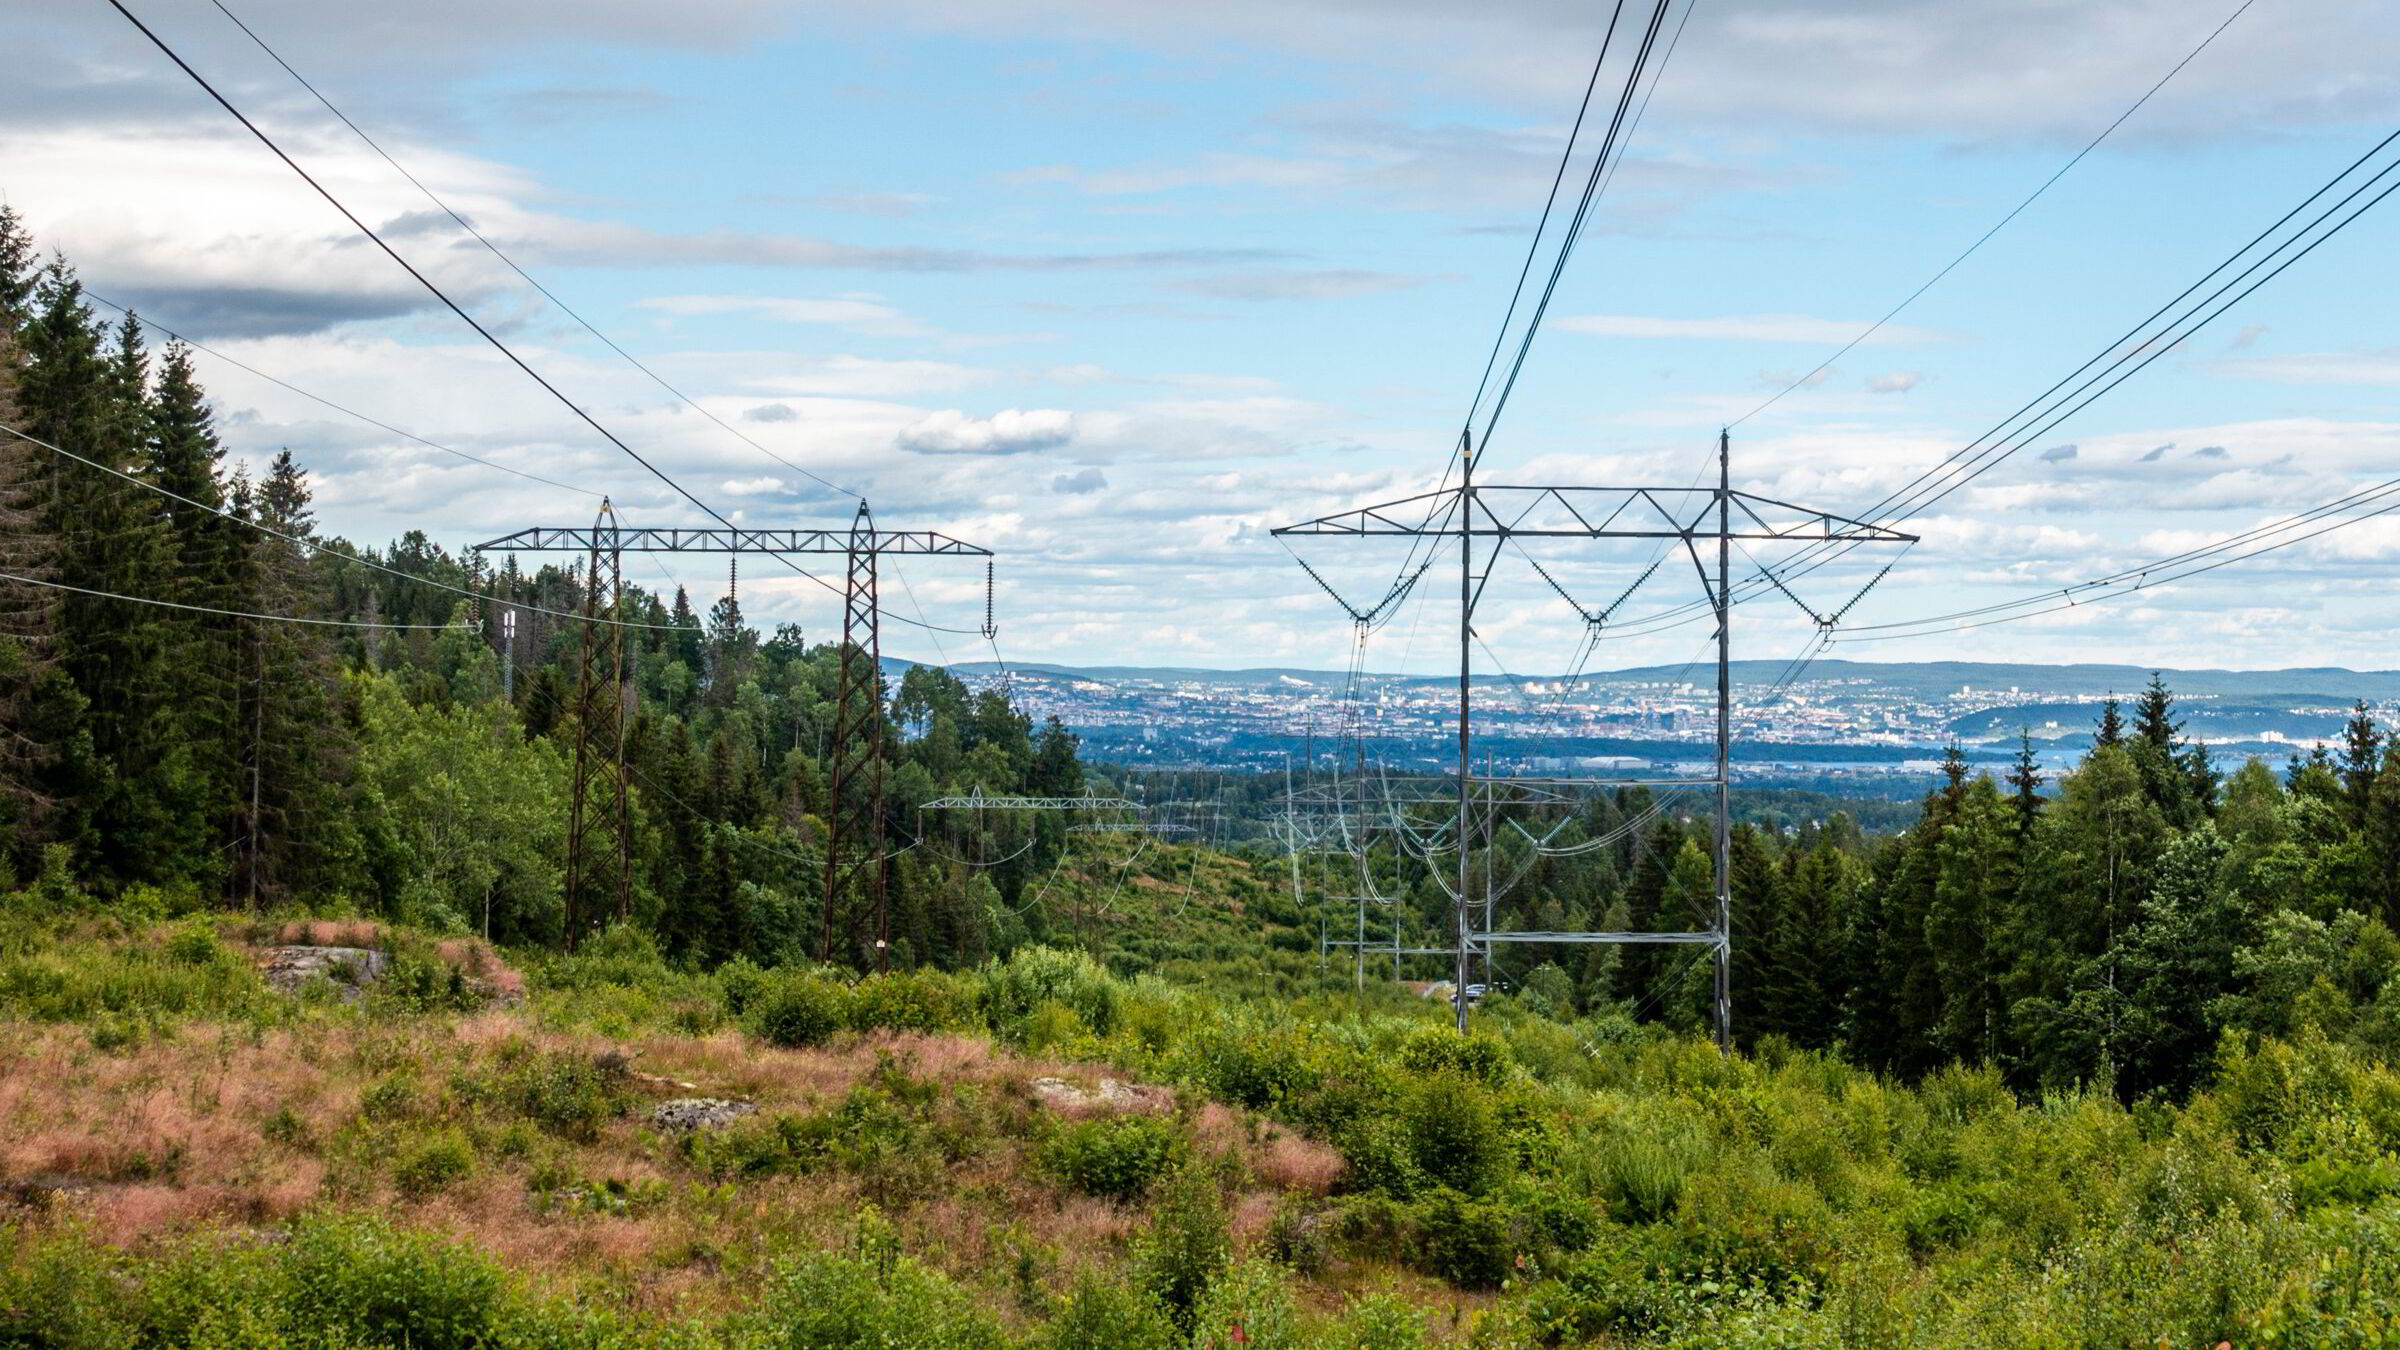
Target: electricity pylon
[(856, 862), (1490, 517)]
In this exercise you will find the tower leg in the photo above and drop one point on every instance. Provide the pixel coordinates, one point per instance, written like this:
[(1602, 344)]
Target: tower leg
[(855, 866)]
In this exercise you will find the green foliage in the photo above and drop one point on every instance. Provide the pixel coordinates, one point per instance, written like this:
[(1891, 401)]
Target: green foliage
[(1454, 1132), (433, 1162), (1015, 989), (566, 1094), (1117, 1157), (1188, 1245), (798, 1010), (921, 1000), (1101, 1312), (188, 974), (832, 1302)]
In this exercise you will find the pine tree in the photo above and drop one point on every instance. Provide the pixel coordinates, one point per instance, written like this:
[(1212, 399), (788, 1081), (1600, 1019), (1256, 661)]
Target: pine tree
[(291, 831), (135, 813), (2088, 873), (2112, 724), (1757, 916), (31, 717), (2361, 760), (1801, 992), (2026, 779), (1974, 888), (183, 458), (20, 272)]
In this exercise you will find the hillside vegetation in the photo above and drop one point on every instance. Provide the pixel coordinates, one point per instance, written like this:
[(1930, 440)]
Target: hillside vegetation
[(196, 1158)]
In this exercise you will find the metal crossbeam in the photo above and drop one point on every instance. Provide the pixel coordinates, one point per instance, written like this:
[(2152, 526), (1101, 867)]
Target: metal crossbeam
[(627, 539), (1693, 939), (976, 798), (1524, 512)]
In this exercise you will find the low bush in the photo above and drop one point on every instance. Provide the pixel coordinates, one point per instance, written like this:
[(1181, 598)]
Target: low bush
[(568, 1095), (1117, 1157), (830, 1302), (433, 1163), (798, 1010), (921, 1000), (1032, 976)]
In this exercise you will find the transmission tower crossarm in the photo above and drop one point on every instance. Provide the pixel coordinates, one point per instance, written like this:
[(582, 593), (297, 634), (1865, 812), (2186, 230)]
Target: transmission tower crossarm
[(1529, 511), (972, 799), (678, 539)]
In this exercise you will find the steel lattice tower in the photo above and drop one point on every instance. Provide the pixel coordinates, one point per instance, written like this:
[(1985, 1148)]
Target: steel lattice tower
[(854, 852), (602, 720), (1487, 518)]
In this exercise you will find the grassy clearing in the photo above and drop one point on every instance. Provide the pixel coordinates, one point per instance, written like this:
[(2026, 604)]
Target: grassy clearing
[(1317, 1175)]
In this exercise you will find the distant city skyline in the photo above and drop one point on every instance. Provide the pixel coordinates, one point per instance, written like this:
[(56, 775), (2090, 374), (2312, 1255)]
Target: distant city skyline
[(1114, 289)]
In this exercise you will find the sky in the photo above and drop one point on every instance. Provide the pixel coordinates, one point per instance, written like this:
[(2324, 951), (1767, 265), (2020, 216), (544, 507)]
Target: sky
[(1114, 289)]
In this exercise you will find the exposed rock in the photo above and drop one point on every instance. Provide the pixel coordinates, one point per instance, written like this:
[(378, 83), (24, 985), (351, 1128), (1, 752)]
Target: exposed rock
[(699, 1113), (40, 1192), (350, 969), (1110, 1095)]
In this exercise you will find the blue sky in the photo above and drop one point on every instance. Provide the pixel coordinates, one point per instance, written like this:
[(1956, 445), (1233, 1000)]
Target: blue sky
[(1115, 288)]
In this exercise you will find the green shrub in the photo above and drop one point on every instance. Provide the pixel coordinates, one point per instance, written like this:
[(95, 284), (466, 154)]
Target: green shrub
[(568, 1095), (798, 1010), (1249, 1305), (739, 981), (1188, 1244), (1032, 976), (1117, 1157), (1383, 1322), (1454, 1132), (360, 1281), (1101, 1312), (1470, 1243), (1439, 1050), (830, 1302), (920, 1000), (392, 1097), (433, 1163)]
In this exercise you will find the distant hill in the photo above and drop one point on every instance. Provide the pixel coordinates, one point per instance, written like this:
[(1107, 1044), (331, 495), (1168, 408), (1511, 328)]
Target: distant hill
[(1923, 678)]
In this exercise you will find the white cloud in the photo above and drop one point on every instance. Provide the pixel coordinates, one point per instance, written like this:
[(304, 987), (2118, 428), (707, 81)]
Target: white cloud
[(866, 314), (1898, 382), (1011, 432), (2381, 368), (761, 486)]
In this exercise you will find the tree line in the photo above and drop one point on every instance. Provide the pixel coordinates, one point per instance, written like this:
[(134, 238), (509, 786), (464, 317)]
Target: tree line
[(2110, 927), (205, 700)]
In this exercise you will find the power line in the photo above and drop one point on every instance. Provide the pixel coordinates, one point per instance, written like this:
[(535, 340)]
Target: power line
[(302, 541), (153, 324), (1609, 144), (452, 305), (510, 262), (2042, 414), (2178, 567), (1947, 268), (238, 613), (1534, 248)]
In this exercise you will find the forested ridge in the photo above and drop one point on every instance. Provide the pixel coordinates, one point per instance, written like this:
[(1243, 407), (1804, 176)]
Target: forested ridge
[(2103, 1060)]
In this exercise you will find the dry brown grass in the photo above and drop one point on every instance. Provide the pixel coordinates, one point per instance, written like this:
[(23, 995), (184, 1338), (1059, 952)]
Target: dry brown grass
[(231, 1127)]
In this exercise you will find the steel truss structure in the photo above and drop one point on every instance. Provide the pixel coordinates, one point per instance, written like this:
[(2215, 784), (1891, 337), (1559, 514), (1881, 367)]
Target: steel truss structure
[(856, 912), (1487, 518)]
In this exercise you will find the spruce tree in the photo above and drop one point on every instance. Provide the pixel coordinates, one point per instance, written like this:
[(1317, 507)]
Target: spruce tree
[(135, 813), (2361, 759), (2026, 779), (292, 831), (2112, 724)]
